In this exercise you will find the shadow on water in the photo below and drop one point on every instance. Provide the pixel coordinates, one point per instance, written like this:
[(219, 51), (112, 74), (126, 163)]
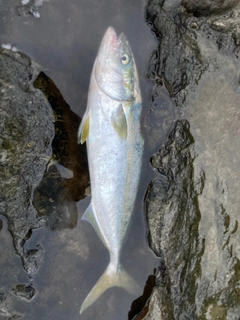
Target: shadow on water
[(67, 178), (64, 42)]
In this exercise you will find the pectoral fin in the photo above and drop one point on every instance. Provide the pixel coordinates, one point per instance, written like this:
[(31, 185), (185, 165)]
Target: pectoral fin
[(119, 122), (83, 131)]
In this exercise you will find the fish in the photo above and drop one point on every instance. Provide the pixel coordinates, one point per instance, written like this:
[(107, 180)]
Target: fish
[(111, 128)]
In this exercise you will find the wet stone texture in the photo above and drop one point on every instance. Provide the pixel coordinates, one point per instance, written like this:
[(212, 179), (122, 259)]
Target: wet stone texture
[(43, 172), (24, 117), (24, 291), (192, 205)]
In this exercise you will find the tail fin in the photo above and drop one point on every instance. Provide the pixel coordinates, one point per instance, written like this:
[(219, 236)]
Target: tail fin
[(112, 277)]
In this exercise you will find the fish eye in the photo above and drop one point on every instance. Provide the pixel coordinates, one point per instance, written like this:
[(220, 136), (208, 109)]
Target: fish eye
[(125, 59)]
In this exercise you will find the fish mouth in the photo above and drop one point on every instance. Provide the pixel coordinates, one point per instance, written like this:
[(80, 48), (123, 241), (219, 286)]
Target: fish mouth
[(112, 38)]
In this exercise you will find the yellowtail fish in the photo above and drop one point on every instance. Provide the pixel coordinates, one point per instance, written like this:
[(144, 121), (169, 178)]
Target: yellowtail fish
[(111, 128)]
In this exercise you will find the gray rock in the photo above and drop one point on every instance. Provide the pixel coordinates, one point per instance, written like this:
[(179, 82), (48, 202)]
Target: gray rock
[(173, 217), (179, 60), (23, 291), (30, 7), (193, 204), (208, 7), (32, 192), (178, 63), (26, 131)]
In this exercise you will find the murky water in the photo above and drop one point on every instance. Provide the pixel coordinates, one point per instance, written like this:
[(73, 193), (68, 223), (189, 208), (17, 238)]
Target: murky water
[(63, 37)]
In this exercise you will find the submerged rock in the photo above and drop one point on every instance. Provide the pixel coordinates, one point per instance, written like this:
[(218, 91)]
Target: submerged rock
[(30, 7), (24, 291), (192, 206)]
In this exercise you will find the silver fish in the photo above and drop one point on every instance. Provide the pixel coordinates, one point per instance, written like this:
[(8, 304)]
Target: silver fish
[(111, 128)]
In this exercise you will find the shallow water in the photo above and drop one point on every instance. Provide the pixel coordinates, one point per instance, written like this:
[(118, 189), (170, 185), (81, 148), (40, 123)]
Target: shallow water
[(63, 39)]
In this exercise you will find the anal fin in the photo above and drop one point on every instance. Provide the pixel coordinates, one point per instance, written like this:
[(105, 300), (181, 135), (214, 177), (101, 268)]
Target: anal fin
[(90, 216)]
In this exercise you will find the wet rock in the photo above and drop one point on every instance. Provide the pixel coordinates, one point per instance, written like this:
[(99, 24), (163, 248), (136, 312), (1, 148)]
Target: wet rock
[(192, 204), (1, 224), (32, 259), (180, 62), (30, 7), (23, 291), (6, 307), (160, 117), (3, 301), (208, 7), (173, 217), (26, 140), (26, 132), (15, 317), (140, 306)]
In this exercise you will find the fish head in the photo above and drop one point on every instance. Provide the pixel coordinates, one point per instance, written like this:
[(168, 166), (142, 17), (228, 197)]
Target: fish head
[(115, 69)]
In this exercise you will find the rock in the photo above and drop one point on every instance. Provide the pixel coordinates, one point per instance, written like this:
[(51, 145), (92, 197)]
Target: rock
[(23, 291), (35, 163), (180, 62), (30, 7), (15, 317), (26, 131), (192, 205), (139, 306), (173, 213), (208, 7), (6, 307), (160, 117)]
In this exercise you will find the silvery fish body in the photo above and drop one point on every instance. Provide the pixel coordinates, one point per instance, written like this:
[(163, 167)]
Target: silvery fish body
[(111, 128)]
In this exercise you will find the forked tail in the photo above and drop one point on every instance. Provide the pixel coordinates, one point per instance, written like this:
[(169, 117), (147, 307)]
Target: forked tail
[(112, 277)]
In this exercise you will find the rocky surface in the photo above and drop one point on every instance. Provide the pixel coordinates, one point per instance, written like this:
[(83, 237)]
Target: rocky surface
[(173, 218), (30, 7), (193, 204), (26, 292), (25, 116), (43, 173), (208, 7)]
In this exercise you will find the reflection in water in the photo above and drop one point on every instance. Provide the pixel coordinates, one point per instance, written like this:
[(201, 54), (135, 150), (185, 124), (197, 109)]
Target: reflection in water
[(64, 41)]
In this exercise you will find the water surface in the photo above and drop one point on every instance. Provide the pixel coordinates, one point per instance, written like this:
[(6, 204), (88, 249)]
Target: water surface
[(63, 39)]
